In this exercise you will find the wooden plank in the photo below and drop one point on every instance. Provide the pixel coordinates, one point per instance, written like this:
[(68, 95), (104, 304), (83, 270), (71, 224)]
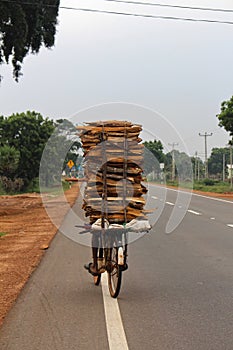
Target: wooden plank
[(123, 158)]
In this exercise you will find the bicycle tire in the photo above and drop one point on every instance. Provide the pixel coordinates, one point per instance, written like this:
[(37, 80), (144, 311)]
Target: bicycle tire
[(114, 273)]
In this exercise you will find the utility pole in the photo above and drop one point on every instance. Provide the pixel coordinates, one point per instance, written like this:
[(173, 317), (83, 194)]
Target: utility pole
[(223, 166), (231, 163), (173, 159), (230, 147), (206, 162), (198, 170), (195, 166)]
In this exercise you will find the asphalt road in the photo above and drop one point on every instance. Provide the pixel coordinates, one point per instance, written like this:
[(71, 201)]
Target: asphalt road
[(177, 293)]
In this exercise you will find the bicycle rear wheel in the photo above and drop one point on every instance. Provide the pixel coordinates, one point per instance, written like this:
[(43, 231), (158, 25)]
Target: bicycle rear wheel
[(114, 272)]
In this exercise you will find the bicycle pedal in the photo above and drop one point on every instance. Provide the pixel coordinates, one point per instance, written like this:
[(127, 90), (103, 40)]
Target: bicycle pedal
[(124, 267)]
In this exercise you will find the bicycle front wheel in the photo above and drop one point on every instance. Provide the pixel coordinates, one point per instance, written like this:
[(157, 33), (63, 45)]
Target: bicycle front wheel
[(114, 273)]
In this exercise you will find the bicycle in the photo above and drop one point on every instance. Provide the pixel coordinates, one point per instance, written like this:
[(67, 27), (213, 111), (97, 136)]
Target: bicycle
[(110, 256)]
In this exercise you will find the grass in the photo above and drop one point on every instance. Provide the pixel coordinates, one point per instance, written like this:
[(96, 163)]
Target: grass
[(2, 234), (206, 185), (216, 187)]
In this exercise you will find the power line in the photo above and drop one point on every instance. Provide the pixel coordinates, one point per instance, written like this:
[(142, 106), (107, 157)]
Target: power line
[(125, 13), (172, 6), (148, 16)]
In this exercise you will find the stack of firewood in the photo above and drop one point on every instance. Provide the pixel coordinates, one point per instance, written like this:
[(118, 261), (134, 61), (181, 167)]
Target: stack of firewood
[(113, 170)]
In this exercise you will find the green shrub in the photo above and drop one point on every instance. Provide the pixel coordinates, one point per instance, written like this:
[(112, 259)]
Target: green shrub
[(2, 234), (11, 186), (33, 186), (2, 191), (208, 182)]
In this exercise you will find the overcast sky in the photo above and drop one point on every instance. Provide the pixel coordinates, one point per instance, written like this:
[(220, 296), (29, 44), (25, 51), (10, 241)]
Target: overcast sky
[(182, 70)]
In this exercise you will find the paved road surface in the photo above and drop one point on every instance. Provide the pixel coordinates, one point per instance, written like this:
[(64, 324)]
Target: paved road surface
[(177, 293)]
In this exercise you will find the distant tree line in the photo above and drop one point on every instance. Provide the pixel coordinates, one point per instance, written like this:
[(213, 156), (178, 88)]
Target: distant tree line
[(217, 163)]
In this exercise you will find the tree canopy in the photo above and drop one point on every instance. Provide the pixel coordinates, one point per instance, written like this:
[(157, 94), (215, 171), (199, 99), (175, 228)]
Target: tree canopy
[(183, 165), (62, 146), (154, 157), (27, 133), (9, 160), (226, 116), (215, 161), (24, 28)]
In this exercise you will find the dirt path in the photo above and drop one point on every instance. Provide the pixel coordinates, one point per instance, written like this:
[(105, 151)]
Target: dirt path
[(25, 233)]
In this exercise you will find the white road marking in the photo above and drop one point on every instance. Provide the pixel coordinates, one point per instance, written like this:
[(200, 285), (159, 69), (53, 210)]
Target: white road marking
[(115, 330), (154, 197), (169, 203), (230, 225), (193, 212), (212, 218)]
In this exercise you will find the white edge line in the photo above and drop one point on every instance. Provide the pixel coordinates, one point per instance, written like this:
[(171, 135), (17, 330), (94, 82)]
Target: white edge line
[(115, 330), (195, 194), (230, 225), (193, 212)]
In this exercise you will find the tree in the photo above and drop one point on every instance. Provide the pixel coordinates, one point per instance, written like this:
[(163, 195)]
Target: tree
[(2, 127), (215, 162), (156, 148), (66, 129), (9, 160), (226, 116), (24, 27), (183, 165), (198, 167), (63, 145), (27, 133), (154, 157)]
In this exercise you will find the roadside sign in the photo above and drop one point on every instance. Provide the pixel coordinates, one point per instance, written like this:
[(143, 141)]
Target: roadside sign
[(70, 163), (161, 166)]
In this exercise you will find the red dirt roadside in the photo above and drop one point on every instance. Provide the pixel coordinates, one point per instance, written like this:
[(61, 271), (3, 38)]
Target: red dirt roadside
[(25, 233)]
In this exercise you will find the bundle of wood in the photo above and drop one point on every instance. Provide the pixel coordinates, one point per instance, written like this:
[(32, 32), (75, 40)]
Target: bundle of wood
[(113, 170)]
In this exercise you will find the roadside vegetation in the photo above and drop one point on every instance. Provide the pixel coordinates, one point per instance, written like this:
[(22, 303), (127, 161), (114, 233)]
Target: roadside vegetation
[(23, 138), (2, 234), (205, 185), (191, 172)]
